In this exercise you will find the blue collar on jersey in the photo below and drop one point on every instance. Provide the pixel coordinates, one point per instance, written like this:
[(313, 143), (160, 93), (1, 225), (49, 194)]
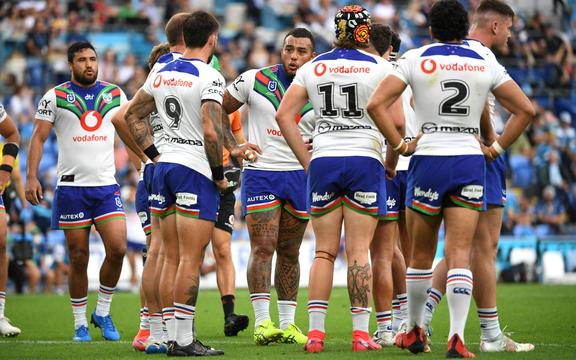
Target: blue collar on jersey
[(447, 49), (348, 54), (88, 93), (282, 75)]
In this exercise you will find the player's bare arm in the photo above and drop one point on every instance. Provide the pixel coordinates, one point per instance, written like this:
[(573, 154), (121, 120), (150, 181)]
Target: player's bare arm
[(39, 135), (124, 133), (212, 125), (380, 106), (11, 137), (246, 151), (137, 118), (397, 114), (294, 99), (522, 114), (486, 127), (230, 103)]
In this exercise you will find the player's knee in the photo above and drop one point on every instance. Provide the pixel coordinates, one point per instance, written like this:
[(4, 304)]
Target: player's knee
[(116, 253), (222, 253), (289, 251), (263, 250), (323, 255), (79, 259)]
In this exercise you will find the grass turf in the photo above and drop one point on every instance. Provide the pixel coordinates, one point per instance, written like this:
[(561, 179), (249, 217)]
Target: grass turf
[(543, 315)]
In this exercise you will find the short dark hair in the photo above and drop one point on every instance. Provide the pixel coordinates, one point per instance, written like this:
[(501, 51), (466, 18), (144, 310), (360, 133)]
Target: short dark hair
[(449, 21), (380, 37), (302, 33), (174, 28), (496, 6), (198, 27), (76, 47)]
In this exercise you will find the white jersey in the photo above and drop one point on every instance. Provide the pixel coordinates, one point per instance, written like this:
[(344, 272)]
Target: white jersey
[(450, 83), (339, 84), (262, 91), (81, 119), (3, 114), (486, 52), (178, 89)]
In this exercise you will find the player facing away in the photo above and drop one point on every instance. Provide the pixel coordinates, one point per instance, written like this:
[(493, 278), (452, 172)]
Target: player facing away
[(345, 174), (442, 76), (9, 131), (383, 247), (187, 94), (490, 29), (87, 193), (273, 189)]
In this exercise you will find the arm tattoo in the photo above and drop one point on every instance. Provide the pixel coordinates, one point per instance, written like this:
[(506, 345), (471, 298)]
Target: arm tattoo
[(359, 284), (137, 117), (228, 136), (212, 120)]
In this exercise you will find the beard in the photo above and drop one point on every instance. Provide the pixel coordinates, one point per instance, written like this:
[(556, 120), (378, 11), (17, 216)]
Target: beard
[(86, 80)]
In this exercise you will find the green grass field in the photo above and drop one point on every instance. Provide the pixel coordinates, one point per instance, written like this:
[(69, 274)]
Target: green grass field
[(543, 315)]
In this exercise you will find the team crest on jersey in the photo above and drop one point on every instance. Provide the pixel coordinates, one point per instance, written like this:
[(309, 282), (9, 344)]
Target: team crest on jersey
[(71, 98), (272, 85), (107, 98)]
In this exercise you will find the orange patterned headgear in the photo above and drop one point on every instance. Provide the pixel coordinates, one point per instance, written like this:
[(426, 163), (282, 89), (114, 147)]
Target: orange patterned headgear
[(353, 22)]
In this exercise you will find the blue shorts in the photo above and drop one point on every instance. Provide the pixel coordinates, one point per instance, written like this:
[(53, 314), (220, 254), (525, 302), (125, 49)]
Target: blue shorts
[(435, 182), (77, 207), (142, 203), (357, 182), (396, 196), (2, 208), (264, 190), (178, 189), (496, 182), (135, 246)]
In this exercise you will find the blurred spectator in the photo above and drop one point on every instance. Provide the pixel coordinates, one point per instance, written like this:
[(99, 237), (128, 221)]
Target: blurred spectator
[(550, 214)]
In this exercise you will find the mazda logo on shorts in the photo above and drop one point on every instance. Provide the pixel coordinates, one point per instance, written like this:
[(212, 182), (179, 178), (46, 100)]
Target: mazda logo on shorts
[(429, 127), (323, 127)]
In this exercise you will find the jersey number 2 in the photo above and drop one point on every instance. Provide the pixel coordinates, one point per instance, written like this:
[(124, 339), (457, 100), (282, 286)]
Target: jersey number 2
[(452, 105), (350, 91)]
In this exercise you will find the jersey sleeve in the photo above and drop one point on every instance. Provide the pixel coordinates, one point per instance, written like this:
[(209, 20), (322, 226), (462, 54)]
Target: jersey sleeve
[(213, 87), (499, 73), (123, 98), (402, 68), (147, 87), (235, 122), (3, 114), (300, 77), (240, 88), (47, 107)]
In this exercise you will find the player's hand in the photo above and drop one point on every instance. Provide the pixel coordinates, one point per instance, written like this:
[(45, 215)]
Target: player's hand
[(4, 179), (308, 144), (411, 148), (390, 173), (222, 185), (489, 155), (246, 151), (33, 191)]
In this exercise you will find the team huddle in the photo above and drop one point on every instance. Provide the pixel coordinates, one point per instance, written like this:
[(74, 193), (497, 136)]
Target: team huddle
[(386, 148)]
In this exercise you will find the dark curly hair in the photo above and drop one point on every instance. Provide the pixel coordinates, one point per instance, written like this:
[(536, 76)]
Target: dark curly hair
[(448, 21)]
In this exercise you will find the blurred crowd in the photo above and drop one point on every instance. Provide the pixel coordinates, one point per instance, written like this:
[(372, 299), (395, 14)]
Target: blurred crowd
[(34, 36)]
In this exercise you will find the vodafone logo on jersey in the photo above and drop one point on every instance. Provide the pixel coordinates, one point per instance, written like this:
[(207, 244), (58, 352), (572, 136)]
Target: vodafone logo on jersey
[(173, 82), (428, 66), (91, 120), (320, 69), (157, 81)]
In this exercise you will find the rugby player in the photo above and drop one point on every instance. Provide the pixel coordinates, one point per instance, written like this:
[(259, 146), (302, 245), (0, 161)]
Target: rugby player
[(345, 171), (273, 189), (189, 173), (448, 112), (87, 193), (9, 153), (490, 29)]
